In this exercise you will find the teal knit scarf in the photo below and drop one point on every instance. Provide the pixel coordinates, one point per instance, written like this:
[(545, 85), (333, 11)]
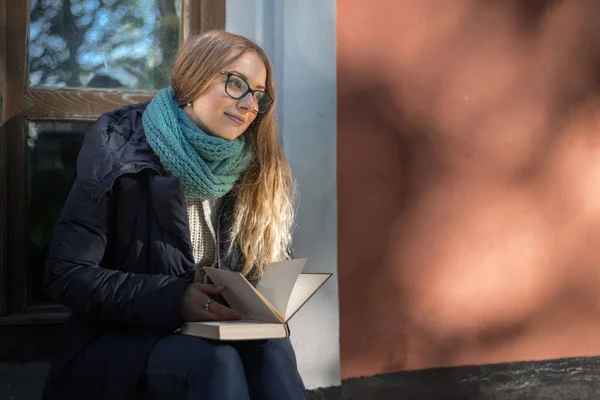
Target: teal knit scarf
[(208, 166)]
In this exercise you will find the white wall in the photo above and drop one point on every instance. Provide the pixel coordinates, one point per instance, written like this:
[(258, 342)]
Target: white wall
[(299, 36)]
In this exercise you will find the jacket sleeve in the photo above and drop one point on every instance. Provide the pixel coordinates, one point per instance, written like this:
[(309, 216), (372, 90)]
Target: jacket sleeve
[(75, 278)]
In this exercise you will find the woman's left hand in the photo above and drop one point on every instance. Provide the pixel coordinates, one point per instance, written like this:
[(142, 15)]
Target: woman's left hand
[(193, 303)]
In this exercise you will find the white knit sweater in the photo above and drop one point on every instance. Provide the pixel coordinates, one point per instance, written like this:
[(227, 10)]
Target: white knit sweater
[(203, 220)]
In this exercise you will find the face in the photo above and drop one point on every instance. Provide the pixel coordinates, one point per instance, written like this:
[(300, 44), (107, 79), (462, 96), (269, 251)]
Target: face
[(219, 114)]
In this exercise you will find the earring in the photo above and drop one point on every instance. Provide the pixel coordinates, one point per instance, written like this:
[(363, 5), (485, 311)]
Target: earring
[(189, 104)]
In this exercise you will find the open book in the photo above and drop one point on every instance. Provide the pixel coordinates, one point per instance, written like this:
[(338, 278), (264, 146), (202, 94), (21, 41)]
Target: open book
[(266, 309)]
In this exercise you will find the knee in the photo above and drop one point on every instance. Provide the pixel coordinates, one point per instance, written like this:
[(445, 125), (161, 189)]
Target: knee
[(280, 354), (191, 356), (196, 368), (225, 360)]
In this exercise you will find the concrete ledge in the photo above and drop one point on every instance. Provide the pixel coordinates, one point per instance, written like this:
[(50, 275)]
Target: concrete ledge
[(563, 379), (328, 393), (25, 381), (22, 381)]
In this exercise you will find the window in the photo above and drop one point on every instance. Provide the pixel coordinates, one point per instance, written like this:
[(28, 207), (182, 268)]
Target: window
[(64, 63)]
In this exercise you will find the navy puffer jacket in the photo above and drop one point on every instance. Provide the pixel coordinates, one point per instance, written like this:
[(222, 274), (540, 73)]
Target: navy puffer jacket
[(120, 258)]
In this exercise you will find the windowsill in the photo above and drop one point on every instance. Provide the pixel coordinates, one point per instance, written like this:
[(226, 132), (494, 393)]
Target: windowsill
[(37, 315)]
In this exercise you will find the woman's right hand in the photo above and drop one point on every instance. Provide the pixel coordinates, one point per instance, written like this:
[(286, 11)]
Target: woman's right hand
[(194, 298)]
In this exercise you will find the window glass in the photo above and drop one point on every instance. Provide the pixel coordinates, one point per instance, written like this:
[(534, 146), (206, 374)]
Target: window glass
[(103, 43), (53, 149)]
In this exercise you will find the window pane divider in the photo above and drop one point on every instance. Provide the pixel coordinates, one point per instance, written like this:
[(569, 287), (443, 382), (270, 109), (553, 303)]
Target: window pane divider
[(78, 104), (201, 15)]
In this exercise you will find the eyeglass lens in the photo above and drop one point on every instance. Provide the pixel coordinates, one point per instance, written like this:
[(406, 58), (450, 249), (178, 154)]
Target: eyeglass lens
[(237, 88)]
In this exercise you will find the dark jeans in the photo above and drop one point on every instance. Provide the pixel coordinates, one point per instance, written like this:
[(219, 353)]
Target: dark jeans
[(188, 367)]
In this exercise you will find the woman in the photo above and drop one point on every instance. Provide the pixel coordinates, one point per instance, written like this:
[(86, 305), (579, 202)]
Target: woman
[(195, 178)]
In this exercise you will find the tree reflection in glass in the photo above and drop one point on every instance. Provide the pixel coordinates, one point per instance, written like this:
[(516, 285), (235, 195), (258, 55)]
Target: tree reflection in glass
[(103, 43)]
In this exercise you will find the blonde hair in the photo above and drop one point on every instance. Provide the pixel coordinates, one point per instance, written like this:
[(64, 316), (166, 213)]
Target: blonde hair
[(265, 192)]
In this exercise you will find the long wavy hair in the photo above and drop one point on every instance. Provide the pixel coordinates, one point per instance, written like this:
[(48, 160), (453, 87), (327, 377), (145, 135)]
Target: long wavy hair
[(265, 192)]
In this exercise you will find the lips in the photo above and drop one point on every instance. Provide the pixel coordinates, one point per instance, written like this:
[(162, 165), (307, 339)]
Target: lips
[(235, 119)]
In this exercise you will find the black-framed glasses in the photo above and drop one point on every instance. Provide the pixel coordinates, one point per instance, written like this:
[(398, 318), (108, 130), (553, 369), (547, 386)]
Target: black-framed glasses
[(237, 88)]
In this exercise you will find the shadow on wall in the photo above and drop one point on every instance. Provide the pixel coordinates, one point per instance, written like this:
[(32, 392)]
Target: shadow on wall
[(468, 182)]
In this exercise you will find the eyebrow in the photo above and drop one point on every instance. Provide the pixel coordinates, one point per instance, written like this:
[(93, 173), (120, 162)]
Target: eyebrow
[(246, 78)]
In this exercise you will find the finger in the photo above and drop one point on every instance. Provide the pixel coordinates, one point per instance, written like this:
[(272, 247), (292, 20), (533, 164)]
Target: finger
[(211, 316), (224, 312), (219, 317), (210, 289)]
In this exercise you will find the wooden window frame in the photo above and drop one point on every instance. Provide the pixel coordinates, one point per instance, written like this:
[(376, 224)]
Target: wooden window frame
[(18, 104)]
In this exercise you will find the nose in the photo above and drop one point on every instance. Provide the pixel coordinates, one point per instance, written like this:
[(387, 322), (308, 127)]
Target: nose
[(248, 102)]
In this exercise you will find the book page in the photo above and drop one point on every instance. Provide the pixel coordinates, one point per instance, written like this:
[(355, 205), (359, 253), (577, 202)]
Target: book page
[(306, 286), (278, 281), (242, 296)]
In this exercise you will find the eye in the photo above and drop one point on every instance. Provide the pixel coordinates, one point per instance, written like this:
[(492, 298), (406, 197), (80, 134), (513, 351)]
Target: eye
[(259, 95), (236, 82)]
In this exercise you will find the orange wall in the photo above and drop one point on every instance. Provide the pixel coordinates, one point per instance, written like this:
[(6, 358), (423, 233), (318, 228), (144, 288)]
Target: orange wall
[(468, 182)]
